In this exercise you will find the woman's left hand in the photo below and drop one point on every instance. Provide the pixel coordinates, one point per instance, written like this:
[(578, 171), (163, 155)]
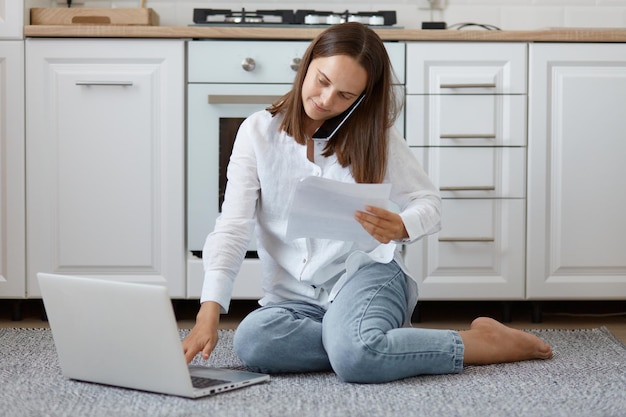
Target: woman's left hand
[(383, 225)]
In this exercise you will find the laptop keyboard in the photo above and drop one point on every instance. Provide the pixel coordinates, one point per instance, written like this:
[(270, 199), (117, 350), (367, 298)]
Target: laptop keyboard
[(200, 382)]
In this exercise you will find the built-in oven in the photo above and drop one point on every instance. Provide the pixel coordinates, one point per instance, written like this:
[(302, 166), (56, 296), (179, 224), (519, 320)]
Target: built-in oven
[(227, 81)]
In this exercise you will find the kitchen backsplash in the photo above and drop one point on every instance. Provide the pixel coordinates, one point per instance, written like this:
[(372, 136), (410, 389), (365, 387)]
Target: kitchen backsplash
[(505, 14)]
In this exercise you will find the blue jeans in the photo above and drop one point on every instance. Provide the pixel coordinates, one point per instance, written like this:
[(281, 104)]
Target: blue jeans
[(359, 337)]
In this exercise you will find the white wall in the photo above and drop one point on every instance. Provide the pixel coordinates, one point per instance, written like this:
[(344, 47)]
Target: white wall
[(505, 14)]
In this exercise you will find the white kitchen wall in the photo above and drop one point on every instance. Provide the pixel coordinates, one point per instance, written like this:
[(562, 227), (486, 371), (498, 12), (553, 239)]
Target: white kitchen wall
[(505, 14)]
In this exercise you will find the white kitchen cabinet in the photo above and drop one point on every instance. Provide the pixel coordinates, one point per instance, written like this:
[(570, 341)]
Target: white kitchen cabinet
[(12, 226), (105, 160), (576, 172), (11, 19), (466, 124)]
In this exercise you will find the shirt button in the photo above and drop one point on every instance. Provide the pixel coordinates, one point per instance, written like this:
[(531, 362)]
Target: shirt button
[(304, 260)]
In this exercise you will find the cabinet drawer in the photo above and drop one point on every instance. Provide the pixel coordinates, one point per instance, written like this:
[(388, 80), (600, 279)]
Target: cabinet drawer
[(224, 61), (469, 220), (466, 68), (476, 233), (475, 172), (466, 120), (479, 253)]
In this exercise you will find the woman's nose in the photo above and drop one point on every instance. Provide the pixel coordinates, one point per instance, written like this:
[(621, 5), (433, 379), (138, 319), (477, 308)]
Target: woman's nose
[(326, 98)]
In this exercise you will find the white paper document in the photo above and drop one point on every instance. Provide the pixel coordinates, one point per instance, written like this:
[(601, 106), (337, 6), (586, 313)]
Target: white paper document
[(324, 209)]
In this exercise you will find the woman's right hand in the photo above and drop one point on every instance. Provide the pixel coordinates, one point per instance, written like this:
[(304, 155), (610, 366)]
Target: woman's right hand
[(203, 336)]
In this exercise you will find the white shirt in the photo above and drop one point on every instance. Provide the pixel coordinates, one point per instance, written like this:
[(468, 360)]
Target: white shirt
[(265, 166)]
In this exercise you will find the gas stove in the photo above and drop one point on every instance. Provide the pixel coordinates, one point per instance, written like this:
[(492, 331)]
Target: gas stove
[(282, 18)]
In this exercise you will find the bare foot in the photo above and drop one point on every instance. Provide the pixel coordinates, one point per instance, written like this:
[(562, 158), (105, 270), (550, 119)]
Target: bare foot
[(488, 341)]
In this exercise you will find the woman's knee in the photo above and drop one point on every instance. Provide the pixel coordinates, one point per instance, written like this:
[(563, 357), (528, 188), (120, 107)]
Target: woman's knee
[(354, 359), (251, 342), (276, 339)]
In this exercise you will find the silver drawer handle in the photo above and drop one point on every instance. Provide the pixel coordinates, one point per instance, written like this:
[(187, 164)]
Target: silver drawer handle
[(468, 136), (478, 85), (466, 239), (248, 64), (243, 99), (469, 188), (106, 83)]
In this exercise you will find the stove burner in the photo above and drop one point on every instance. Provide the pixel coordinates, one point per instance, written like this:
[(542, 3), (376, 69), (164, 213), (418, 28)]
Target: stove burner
[(243, 16), (289, 17), (314, 17)]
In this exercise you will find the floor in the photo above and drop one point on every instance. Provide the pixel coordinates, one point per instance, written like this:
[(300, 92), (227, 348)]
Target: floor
[(431, 314)]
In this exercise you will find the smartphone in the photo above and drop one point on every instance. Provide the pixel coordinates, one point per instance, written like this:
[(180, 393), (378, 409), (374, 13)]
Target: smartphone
[(332, 125)]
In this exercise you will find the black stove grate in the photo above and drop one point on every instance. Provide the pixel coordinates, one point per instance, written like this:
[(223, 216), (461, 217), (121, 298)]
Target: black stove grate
[(285, 17)]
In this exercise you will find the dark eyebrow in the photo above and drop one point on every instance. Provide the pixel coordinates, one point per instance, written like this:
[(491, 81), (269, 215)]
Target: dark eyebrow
[(319, 71)]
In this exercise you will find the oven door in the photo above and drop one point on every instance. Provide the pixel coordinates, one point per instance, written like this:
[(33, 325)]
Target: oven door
[(215, 112)]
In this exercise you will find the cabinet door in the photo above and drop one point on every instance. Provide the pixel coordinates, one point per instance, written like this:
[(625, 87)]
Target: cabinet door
[(576, 198), (12, 229), (11, 19), (105, 160), (478, 255)]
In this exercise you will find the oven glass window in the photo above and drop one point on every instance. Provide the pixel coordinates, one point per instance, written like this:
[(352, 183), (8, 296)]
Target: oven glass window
[(228, 130)]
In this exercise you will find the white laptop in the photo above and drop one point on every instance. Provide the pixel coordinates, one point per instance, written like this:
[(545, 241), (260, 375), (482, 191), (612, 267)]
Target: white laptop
[(125, 334)]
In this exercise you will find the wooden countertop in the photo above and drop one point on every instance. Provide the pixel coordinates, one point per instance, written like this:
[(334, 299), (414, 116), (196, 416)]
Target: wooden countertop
[(213, 32)]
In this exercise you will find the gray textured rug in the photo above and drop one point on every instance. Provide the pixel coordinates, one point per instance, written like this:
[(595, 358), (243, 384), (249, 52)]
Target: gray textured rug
[(587, 377)]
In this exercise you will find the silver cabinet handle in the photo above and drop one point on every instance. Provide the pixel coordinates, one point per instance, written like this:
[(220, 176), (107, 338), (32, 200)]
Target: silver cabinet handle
[(295, 64), (468, 136), (466, 239), (243, 99), (106, 83), (477, 85), (248, 64), (469, 188)]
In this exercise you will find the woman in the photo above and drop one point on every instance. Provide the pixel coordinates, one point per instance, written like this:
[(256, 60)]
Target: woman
[(332, 304)]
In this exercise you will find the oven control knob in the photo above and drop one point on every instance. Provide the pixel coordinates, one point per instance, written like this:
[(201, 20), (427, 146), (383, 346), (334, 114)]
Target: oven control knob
[(295, 64), (248, 64)]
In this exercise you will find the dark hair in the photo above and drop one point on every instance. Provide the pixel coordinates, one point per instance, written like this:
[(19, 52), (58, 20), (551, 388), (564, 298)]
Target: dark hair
[(361, 143)]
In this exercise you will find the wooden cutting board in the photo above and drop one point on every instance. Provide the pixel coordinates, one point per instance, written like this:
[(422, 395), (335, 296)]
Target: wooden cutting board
[(86, 16)]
